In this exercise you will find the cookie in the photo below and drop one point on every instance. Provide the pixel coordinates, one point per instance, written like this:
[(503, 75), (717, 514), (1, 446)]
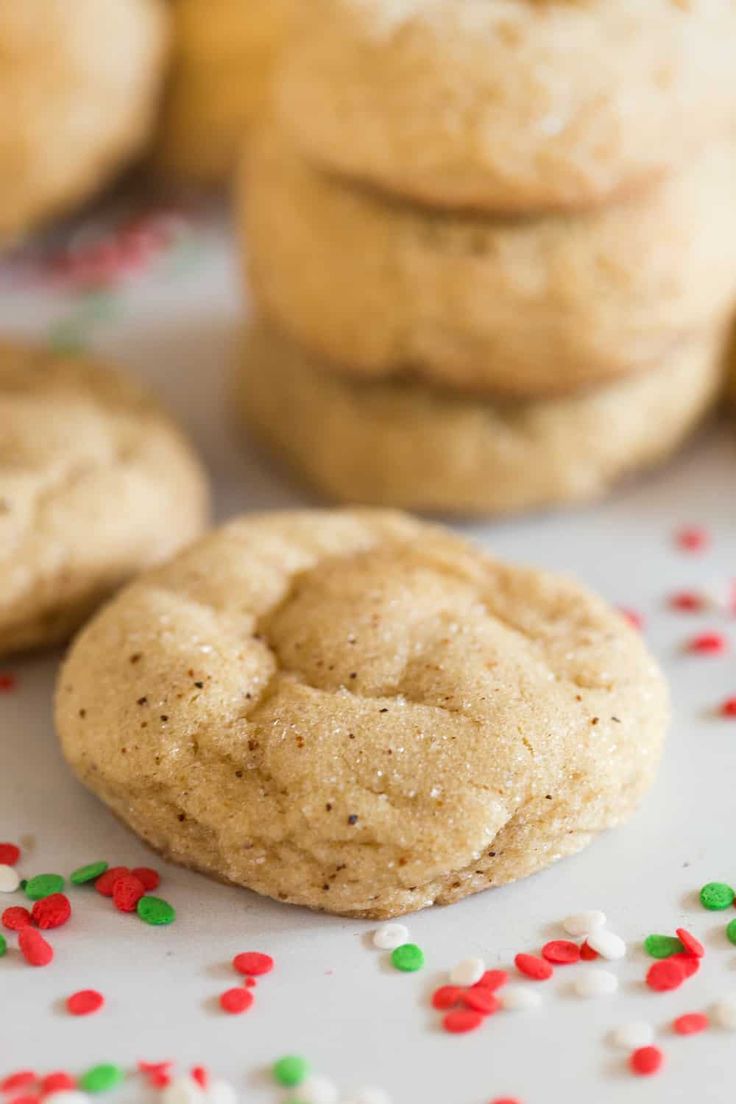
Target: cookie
[(513, 306), (409, 445), (360, 713), (95, 484), (79, 82), (509, 105), (223, 55)]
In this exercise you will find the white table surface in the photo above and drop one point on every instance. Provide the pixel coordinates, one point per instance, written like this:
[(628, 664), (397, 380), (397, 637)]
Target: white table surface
[(331, 997)]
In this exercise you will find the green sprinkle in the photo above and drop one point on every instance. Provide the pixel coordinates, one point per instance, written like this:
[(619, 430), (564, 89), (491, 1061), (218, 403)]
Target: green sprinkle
[(88, 873), (408, 957), (3, 945), (101, 1078), (662, 946), (290, 1071), (156, 911), (716, 896), (43, 885), (731, 931)]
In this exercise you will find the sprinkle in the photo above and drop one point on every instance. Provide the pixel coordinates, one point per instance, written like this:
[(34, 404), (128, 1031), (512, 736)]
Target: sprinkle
[(57, 1082), (730, 931), (724, 1012), (646, 1060), (408, 958), (493, 979), (595, 983), (633, 1036), (8, 682), (84, 1002), (707, 643), (105, 884), (692, 538), (665, 975), (462, 1020), (253, 963), (127, 892), (692, 945), (519, 998), (235, 1001), (51, 912), (532, 967), (447, 996), (89, 873), (561, 952), (587, 954), (716, 896), (505, 1100), (662, 946), (607, 944), (728, 707), (9, 854), (101, 1078), (692, 1023), (468, 972), (318, 1090), (9, 878), (156, 911), (480, 1000), (16, 917), (634, 618), (201, 1076), (690, 964), (43, 885), (390, 936), (3, 946), (34, 948), (687, 601), (150, 879), (583, 923), (19, 1080), (290, 1070)]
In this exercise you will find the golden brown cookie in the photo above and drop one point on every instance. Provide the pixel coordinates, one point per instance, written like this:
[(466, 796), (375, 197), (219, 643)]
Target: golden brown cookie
[(417, 447), (96, 483), (513, 306), (509, 105), (79, 84), (360, 713)]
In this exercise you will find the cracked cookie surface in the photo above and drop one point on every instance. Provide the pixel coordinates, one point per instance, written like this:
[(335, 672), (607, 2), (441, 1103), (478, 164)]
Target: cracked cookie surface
[(360, 713)]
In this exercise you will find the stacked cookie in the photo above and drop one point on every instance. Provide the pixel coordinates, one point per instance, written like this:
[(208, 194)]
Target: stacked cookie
[(491, 244)]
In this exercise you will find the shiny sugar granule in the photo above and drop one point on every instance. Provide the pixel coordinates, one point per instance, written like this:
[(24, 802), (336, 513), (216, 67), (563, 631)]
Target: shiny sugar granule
[(646, 1060)]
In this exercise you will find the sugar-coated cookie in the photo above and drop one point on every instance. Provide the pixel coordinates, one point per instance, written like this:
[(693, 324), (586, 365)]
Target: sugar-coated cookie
[(96, 483), (413, 446), (509, 104), (79, 84), (223, 53), (512, 306), (360, 713)]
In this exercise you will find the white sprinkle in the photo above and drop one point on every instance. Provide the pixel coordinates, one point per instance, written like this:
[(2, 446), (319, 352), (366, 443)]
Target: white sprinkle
[(9, 879), (222, 1092), (595, 983), (723, 1012), (390, 936), (519, 998), (633, 1035), (318, 1090), (583, 923), (369, 1096), (182, 1090), (468, 972), (607, 944)]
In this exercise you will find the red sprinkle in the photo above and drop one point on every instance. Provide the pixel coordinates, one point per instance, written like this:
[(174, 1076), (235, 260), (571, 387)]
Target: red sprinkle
[(692, 945), (26, 1098), (691, 1023), (154, 1067), (34, 948), (106, 882), (646, 1060), (9, 854), (447, 996), (127, 892), (687, 601), (692, 538), (250, 982), (481, 1000), (236, 1001), (85, 1002), (708, 643), (60, 1081), (19, 1080), (51, 912), (728, 708), (689, 963), (492, 979), (201, 1076), (159, 1079), (253, 963), (505, 1100), (635, 619), (462, 1020), (8, 683), (16, 917), (561, 951), (665, 974), (587, 953), (535, 968), (149, 878)]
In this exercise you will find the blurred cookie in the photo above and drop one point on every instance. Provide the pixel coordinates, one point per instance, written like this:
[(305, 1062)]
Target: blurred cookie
[(79, 84), (509, 105), (512, 306), (360, 713), (414, 446), (96, 483)]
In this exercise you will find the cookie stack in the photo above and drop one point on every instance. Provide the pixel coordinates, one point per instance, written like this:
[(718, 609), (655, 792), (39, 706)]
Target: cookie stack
[(491, 245)]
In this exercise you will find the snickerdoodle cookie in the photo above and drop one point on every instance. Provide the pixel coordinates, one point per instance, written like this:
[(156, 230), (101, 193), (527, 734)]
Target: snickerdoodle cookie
[(509, 104), (512, 306), (223, 53), (79, 84), (95, 484), (418, 447), (360, 713)]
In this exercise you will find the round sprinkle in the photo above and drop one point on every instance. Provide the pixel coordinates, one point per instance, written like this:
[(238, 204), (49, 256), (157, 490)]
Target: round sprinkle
[(9, 878), (446, 997), (101, 1078), (149, 878), (561, 952), (532, 967), (88, 873), (462, 1020), (607, 944), (692, 945), (468, 972), (716, 896), (156, 911), (290, 1070), (730, 930), (253, 963), (21, 1079), (43, 885), (723, 1012), (127, 892), (687, 601), (708, 643), (493, 979), (16, 917), (728, 707), (519, 998), (692, 538), (583, 923), (85, 1002), (692, 1023), (318, 1090), (9, 854), (236, 1000), (390, 936), (665, 975), (646, 1060), (51, 912), (662, 946), (106, 882), (34, 948), (633, 1036), (408, 958), (595, 983), (58, 1082), (480, 1000), (587, 954), (687, 962)]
